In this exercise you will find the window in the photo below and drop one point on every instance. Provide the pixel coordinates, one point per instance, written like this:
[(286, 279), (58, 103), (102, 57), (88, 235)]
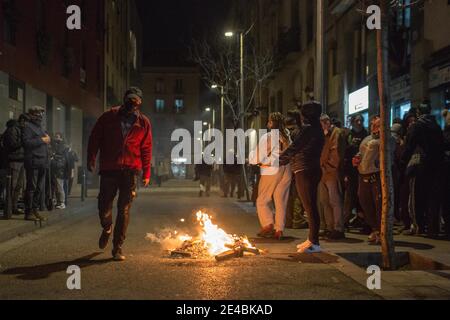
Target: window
[(159, 87), (10, 16), (179, 86), (159, 105), (179, 105), (16, 90)]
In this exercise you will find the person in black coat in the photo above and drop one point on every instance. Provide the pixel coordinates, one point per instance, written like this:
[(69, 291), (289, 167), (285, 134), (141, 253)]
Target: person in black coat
[(36, 161), (425, 134), (305, 153), (13, 144)]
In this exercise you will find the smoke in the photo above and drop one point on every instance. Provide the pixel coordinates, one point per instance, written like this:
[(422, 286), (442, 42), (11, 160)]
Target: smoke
[(168, 239)]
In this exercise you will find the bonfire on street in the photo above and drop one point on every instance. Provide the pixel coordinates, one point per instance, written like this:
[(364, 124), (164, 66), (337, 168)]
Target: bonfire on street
[(211, 242)]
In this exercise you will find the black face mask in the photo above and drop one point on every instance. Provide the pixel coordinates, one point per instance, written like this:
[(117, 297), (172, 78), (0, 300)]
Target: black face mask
[(37, 118), (130, 107)]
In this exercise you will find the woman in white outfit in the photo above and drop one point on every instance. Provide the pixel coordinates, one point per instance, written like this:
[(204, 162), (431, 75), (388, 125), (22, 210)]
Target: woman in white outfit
[(275, 180)]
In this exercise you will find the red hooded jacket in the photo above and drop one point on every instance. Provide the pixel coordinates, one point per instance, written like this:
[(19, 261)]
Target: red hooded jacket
[(118, 152)]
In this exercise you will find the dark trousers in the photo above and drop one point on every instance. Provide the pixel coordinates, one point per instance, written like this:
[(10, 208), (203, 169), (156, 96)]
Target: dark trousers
[(351, 198), (231, 183), (35, 188), (112, 182), (17, 176), (370, 198), (404, 203), (446, 198), (425, 199), (307, 183), (205, 184)]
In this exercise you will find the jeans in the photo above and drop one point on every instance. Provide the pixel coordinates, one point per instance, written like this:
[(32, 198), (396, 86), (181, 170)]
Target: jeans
[(59, 191), (17, 177), (230, 184), (111, 182), (330, 195), (307, 185), (35, 188), (351, 200)]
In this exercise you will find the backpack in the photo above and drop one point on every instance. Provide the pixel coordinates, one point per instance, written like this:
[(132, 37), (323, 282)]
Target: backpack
[(59, 162)]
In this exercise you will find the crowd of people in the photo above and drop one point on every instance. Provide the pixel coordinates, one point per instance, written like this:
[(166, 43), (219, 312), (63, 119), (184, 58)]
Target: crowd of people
[(37, 170), (328, 177)]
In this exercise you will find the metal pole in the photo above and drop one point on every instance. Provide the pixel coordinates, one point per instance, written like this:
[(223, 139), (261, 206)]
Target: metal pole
[(222, 119), (242, 109), (83, 185), (8, 196), (319, 93)]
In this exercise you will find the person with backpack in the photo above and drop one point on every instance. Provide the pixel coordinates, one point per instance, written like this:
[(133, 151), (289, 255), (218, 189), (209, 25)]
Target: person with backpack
[(60, 169), (13, 146)]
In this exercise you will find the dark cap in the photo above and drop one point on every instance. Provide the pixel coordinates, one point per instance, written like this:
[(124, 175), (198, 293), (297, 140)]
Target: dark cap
[(134, 92), (312, 111)]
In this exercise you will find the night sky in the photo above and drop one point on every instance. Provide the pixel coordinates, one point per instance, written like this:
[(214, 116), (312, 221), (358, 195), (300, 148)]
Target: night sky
[(170, 25)]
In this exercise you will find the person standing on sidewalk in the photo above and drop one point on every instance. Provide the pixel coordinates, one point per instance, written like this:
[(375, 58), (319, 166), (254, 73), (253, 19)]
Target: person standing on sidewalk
[(13, 144), (36, 161), (330, 188), (60, 169), (123, 137), (305, 152), (426, 135), (275, 180), (203, 172), (368, 163), (355, 136)]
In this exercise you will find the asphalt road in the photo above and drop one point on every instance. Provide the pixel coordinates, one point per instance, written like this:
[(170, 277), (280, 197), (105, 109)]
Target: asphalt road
[(34, 267)]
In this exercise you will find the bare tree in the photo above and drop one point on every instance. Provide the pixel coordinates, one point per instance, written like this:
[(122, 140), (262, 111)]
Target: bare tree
[(220, 64)]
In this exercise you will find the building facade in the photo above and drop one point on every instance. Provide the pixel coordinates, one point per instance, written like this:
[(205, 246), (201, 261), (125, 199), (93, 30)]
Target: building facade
[(418, 52), (171, 100), (75, 74), (43, 63)]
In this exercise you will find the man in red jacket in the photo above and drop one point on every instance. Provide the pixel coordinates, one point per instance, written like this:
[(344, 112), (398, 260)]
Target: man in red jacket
[(123, 137)]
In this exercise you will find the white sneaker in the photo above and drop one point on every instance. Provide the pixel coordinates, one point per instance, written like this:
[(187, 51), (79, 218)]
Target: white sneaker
[(61, 207), (305, 244), (309, 247)]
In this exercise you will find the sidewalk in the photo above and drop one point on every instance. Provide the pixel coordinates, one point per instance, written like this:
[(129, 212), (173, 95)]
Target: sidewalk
[(17, 226), (405, 283)]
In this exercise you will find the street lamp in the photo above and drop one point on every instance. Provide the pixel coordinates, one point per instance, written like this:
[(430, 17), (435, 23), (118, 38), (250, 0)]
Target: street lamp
[(222, 104), (242, 100)]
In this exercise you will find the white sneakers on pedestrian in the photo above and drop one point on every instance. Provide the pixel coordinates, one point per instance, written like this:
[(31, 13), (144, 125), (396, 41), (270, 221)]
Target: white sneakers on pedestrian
[(61, 206), (308, 247)]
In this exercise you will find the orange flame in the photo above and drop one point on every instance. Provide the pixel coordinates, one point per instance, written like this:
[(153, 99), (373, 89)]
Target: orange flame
[(215, 238)]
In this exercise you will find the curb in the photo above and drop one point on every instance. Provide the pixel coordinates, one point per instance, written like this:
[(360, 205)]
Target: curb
[(54, 217)]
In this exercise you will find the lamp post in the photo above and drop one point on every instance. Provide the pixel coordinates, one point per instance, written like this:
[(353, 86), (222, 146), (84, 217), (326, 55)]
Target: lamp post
[(241, 113), (222, 103)]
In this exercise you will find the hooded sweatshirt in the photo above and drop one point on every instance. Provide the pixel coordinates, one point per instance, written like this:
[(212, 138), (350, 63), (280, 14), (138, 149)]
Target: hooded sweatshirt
[(12, 140), (427, 135), (306, 149)]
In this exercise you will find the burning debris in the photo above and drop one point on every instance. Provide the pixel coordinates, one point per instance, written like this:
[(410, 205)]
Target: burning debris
[(211, 242)]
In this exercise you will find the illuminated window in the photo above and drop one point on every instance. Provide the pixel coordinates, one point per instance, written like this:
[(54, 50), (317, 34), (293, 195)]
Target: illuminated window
[(159, 105), (179, 105)]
